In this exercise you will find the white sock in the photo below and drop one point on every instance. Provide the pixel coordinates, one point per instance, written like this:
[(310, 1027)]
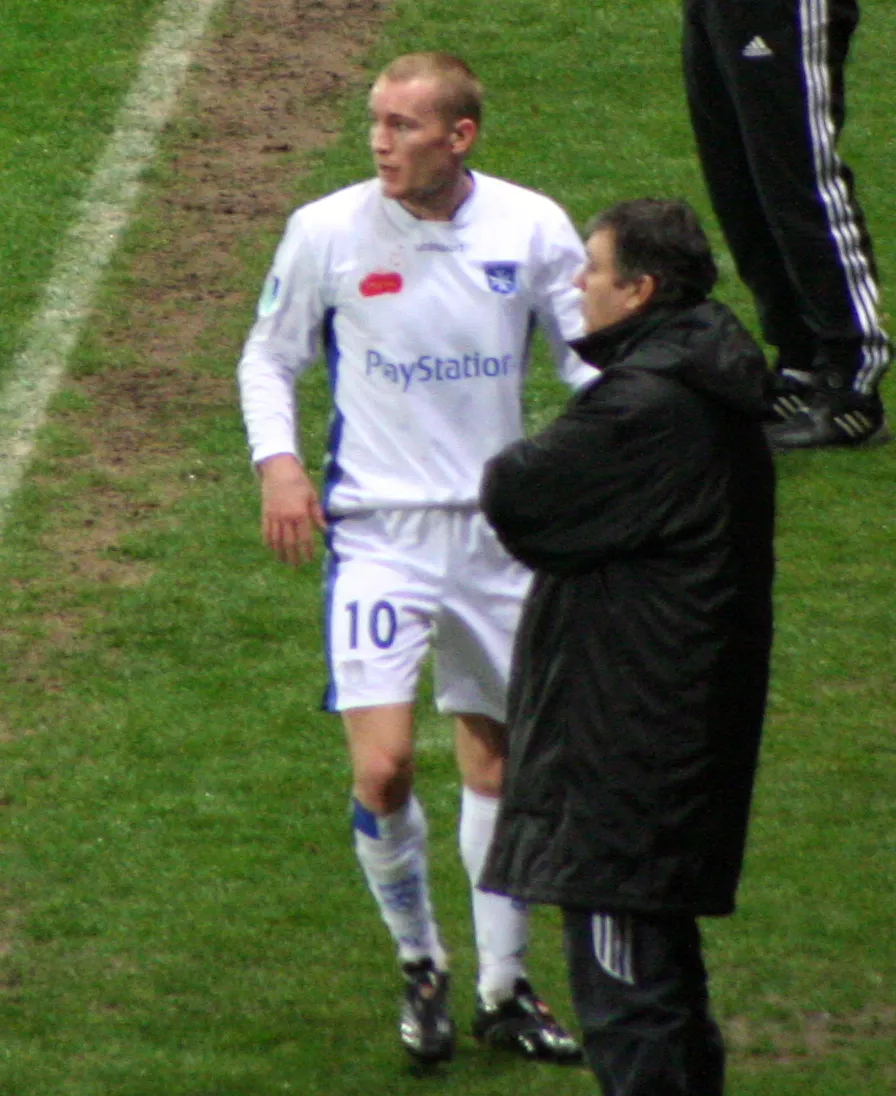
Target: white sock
[(501, 924), (392, 852)]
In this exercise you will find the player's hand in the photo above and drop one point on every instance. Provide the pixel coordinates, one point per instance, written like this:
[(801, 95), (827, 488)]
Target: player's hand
[(290, 509)]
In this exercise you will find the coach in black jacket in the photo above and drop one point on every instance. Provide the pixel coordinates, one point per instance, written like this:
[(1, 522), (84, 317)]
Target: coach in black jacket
[(641, 665)]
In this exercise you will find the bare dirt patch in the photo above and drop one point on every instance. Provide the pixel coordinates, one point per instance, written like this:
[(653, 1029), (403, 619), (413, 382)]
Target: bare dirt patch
[(268, 88), (810, 1035)]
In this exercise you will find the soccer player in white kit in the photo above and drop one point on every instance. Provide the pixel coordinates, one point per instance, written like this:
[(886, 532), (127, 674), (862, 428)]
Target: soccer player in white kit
[(422, 288)]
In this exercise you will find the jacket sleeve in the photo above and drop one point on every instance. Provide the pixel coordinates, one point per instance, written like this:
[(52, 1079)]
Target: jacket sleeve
[(617, 473)]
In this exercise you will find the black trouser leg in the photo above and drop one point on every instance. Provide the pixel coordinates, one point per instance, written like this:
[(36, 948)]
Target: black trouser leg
[(735, 196), (764, 82), (639, 990)]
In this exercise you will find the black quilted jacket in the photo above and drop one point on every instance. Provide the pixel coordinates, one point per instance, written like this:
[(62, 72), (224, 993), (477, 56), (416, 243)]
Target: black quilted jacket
[(641, 666)]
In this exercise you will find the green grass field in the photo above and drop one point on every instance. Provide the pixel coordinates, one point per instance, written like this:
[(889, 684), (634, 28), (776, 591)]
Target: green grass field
[(180, 912), (64, 67)]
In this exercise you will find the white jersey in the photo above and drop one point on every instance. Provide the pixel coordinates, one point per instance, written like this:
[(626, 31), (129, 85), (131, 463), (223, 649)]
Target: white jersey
[(426, 328)]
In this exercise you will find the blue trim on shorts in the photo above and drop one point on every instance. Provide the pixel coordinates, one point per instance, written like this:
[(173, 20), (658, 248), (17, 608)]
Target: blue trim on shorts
[(331, 571), (364, 821)]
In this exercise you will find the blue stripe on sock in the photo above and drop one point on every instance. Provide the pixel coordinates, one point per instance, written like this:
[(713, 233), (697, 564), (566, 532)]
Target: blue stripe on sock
[(364, 820)]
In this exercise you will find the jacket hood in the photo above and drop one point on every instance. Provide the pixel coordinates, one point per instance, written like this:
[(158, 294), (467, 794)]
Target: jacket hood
[(705, 346)]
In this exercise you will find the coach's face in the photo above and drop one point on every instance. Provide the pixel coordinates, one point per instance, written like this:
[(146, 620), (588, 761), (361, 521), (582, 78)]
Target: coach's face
[(419, 157), (607, 297)]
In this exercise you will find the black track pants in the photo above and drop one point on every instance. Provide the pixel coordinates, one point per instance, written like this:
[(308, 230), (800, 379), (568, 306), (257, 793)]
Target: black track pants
[(639, 990), (764, 82)]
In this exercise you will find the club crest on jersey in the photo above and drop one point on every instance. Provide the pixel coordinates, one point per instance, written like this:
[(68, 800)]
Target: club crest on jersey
[(501, 277), (378, 283)]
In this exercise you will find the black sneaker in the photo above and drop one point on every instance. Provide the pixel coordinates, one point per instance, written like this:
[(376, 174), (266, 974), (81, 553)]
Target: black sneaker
[(526, 1025), (785, 395), (831, 418), (426, 1029)]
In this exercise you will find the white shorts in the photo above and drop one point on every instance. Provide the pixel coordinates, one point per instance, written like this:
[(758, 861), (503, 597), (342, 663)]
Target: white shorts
[(402, 583)]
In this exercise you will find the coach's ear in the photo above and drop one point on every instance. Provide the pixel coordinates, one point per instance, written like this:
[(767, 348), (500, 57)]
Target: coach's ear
[(643, 289)]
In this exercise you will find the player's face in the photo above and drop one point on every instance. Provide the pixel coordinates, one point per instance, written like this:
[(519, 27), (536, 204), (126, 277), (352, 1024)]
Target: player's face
[(419, 157), (607, 299)]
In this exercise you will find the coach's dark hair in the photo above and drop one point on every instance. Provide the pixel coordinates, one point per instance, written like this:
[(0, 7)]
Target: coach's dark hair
[(459, 92), (665, 239)]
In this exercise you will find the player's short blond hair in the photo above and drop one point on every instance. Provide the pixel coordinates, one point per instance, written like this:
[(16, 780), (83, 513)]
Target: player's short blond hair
[(460, 91)]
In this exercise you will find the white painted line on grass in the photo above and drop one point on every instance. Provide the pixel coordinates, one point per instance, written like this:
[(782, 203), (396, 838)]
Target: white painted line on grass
[(103, 213)]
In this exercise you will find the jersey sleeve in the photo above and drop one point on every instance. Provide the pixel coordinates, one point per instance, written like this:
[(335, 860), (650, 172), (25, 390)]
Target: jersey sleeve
[(283, 343), (557, 301)]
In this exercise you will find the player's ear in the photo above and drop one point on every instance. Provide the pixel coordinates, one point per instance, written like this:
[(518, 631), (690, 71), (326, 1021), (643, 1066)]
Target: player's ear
[(463, 134)]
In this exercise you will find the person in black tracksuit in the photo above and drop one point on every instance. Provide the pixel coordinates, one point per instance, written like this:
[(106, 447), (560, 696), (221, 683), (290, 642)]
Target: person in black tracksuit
[(765, 88), (640, 670)]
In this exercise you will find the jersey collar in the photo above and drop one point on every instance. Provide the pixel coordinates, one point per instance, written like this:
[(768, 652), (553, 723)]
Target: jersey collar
[(403, 218)]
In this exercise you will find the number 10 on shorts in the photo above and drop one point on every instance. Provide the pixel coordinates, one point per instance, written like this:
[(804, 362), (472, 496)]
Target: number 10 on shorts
[(379, 622)]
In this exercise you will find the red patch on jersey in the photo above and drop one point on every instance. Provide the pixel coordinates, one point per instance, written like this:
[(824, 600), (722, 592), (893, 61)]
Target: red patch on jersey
[(374, 285)]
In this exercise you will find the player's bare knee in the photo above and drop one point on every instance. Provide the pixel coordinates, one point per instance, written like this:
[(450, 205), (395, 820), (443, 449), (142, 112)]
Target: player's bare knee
[(481, 745), (485, 779), (383, 781)]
